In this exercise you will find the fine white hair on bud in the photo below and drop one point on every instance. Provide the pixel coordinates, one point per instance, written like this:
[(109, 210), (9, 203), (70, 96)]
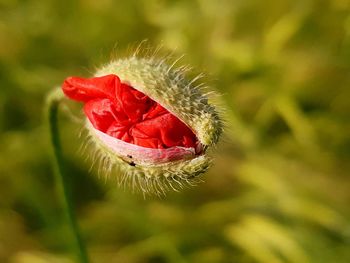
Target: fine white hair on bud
[(154, 148)]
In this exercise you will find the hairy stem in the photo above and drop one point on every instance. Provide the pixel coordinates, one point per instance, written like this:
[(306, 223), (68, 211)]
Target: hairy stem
[(62, 182)]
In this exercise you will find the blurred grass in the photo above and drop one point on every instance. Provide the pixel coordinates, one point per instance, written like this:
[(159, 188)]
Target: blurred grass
[(279, 189)]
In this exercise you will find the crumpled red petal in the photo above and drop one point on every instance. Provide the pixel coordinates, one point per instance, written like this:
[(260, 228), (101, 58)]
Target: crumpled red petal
[(82, 89), (127, 114)]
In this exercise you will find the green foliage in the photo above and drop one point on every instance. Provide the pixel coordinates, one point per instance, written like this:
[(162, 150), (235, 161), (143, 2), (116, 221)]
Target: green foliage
[(279, 188)]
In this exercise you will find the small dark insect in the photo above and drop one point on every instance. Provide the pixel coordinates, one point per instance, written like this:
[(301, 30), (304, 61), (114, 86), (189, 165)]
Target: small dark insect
[(132, 163)]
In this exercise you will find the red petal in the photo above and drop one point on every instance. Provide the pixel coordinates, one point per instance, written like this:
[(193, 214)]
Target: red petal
[(82, 89), (120, 130), (127, 114), (133, 102), (101, 113), (142, 138), (168, 129), (155, 111)]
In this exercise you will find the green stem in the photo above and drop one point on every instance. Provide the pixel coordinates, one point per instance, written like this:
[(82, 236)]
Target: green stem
[(53, 101)]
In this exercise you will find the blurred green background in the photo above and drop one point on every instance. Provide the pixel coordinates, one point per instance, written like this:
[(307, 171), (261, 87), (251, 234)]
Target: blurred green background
[(279, 190)]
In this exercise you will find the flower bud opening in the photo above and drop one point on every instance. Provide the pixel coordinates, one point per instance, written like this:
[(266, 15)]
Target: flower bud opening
[(148, 120)]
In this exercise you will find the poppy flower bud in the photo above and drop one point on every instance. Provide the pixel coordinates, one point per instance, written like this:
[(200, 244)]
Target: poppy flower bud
[(148, 120)]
